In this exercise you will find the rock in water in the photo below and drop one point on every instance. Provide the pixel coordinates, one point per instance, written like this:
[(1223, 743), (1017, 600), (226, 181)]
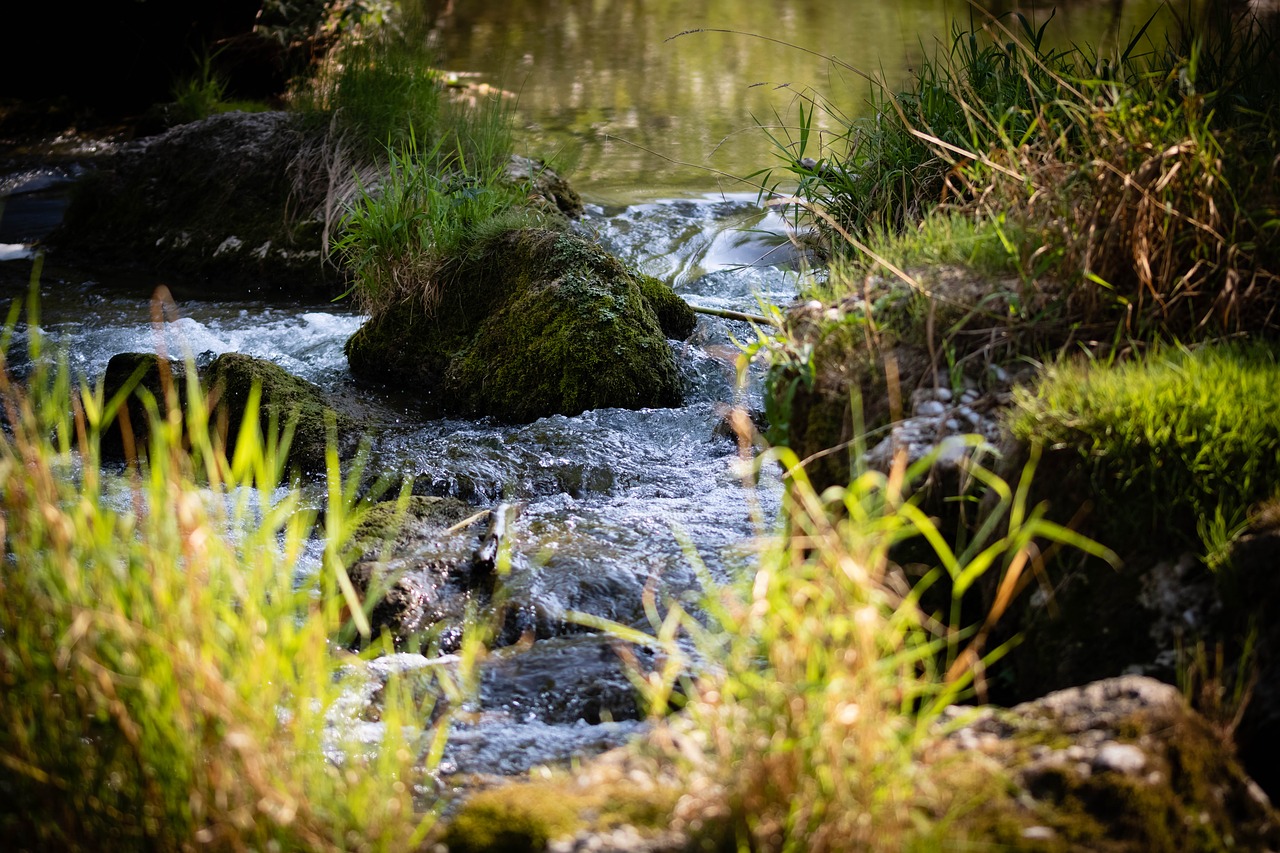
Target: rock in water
[(285, 401), (532, 322)]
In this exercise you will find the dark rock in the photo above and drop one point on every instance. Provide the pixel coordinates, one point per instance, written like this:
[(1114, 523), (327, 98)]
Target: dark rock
[(1251, 594), (285, 402), (532, 323), (565, 679), (416, 576), (223, 197), (548, 191), (145, 375)]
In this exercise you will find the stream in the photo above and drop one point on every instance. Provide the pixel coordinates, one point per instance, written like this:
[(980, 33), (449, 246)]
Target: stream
[(653, 125), (600, 496)]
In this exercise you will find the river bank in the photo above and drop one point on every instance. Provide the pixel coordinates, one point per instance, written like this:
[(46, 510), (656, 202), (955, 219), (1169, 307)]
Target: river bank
[(811, 699)]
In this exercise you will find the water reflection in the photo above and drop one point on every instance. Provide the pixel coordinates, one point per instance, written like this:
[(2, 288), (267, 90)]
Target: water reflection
[(604, 82)]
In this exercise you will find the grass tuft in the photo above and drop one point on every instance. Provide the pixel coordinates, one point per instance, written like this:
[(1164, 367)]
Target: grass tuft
[(1178, 445), (166, 676)]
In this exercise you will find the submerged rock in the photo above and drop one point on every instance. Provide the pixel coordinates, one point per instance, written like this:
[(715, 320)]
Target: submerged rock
[(532, 323), (285, 402), (417, 572)]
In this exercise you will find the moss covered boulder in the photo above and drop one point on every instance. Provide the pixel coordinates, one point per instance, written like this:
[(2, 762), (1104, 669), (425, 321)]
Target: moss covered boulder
[(286, 400), (532, 322), (1117, 765), (286, 403)]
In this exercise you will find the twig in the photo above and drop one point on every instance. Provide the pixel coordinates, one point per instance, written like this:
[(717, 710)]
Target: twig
[(737, 315)]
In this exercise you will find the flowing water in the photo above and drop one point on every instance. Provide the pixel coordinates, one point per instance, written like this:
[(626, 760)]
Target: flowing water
[(601, 495)]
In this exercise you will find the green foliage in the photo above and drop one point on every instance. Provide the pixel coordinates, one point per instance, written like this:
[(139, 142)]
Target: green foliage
[(381, 87), (200, 95), (829, 670), (1172, 444), (397, 235), (166, 680), (1138, 184)]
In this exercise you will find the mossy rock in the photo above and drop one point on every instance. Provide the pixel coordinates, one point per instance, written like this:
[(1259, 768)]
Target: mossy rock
[(513, 819), (533, 322), (1116, 765), (424, 515), (675, 317), (523, 817), (148, 376), (285, 402), (222, 199)]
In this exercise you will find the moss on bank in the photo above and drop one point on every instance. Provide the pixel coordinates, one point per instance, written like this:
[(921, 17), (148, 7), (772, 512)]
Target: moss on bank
[(1164, 444), (531, 323), (522, 817)]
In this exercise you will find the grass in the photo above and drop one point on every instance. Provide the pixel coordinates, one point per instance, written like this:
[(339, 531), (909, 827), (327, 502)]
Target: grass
[(204, 93), (827, 669), (1132, 192), (382, 88), (397, 237), (167, 676), (415, 171), (1178, 445)]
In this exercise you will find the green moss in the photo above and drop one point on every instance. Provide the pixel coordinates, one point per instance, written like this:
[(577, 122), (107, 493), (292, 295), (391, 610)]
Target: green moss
[(518, 818), (532, 322), (1165, 443), (524, 816), (285, 400), (384, 522), (675, 317)]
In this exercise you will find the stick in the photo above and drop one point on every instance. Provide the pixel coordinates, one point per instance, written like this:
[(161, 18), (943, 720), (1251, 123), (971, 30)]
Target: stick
[(736, 315)]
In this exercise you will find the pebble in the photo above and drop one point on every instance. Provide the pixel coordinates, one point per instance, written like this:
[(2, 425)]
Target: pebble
[(1120, 757), (930, 409)]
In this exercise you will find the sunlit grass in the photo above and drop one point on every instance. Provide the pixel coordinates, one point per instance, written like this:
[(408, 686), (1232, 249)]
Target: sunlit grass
[(823, 674), (1172, 445), (166, 670)]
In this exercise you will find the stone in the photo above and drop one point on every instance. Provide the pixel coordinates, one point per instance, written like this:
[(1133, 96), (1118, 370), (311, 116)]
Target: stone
[(1128, 766), (199, 198), (285, 400), (533, 322)]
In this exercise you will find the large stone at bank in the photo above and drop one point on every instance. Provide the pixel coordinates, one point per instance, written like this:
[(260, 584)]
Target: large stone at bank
[(1121, 764), (532, 323)]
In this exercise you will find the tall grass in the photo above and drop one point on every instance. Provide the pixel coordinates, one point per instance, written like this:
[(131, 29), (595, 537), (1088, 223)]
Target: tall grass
[(1139, 186), (397, 236), (830, 666), (414, 171), (382, 85), (166, 675)]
